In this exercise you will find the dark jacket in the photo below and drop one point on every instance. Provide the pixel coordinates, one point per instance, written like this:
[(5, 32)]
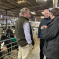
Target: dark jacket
[(20, 31), (43, 22), (51, 36)]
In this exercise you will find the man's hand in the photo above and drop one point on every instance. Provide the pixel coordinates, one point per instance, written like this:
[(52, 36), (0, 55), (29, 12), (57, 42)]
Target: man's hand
[(29, 44), (43, 27)]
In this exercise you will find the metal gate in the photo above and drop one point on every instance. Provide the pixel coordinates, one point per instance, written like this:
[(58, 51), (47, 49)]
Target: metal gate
[(8, 47)]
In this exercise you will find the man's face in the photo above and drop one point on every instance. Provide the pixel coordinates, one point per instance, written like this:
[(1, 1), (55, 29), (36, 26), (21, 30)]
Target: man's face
[(27, 14), (46, 13)]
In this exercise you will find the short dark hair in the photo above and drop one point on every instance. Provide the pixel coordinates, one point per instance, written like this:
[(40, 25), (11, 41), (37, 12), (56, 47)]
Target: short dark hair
[(55, 11)]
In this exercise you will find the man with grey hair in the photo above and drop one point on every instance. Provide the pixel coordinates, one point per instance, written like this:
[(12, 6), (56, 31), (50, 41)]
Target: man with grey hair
[(24, 34), (43, 23)]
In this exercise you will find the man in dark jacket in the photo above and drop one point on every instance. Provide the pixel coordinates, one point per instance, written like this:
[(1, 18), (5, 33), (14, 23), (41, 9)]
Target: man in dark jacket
[(40, 37)]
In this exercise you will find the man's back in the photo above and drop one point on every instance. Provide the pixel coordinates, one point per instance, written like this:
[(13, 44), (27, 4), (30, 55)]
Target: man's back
[(20, 31), (19, 28)]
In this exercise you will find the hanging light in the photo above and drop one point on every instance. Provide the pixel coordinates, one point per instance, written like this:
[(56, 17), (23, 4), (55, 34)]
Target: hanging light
[(41, 1), (33, 13), (21, 1), (42, 12), (42, 16)]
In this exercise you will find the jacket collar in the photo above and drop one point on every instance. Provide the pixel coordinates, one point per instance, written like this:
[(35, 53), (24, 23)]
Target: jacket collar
[(53, 19), (48, 18), (24, 17)]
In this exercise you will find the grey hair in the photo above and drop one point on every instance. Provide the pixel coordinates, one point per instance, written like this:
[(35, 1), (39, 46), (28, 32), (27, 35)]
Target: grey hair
[(24, 10)]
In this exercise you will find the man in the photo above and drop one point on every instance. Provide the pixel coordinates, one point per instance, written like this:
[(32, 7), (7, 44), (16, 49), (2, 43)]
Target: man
[(24, 34), (40, 37)]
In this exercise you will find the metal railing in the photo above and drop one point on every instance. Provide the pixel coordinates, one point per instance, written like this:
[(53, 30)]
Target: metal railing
[(12, 53)]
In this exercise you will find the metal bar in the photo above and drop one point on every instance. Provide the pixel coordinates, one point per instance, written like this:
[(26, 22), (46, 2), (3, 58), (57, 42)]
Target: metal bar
[(55, 2), (9, 48), (7, 53), (6, 18), (30, 4), (12, 56), (10, 43)]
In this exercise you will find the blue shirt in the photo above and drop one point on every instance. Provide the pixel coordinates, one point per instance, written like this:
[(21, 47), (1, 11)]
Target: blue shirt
[(44, 21)]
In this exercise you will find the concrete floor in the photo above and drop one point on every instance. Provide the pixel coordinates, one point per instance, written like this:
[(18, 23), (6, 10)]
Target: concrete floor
[(35, 53)]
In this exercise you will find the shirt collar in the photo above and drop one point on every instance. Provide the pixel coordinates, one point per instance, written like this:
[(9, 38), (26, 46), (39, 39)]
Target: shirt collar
[(48, 18)]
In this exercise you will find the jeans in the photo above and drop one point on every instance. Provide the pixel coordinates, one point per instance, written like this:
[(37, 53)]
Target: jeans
[(41, 48)]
